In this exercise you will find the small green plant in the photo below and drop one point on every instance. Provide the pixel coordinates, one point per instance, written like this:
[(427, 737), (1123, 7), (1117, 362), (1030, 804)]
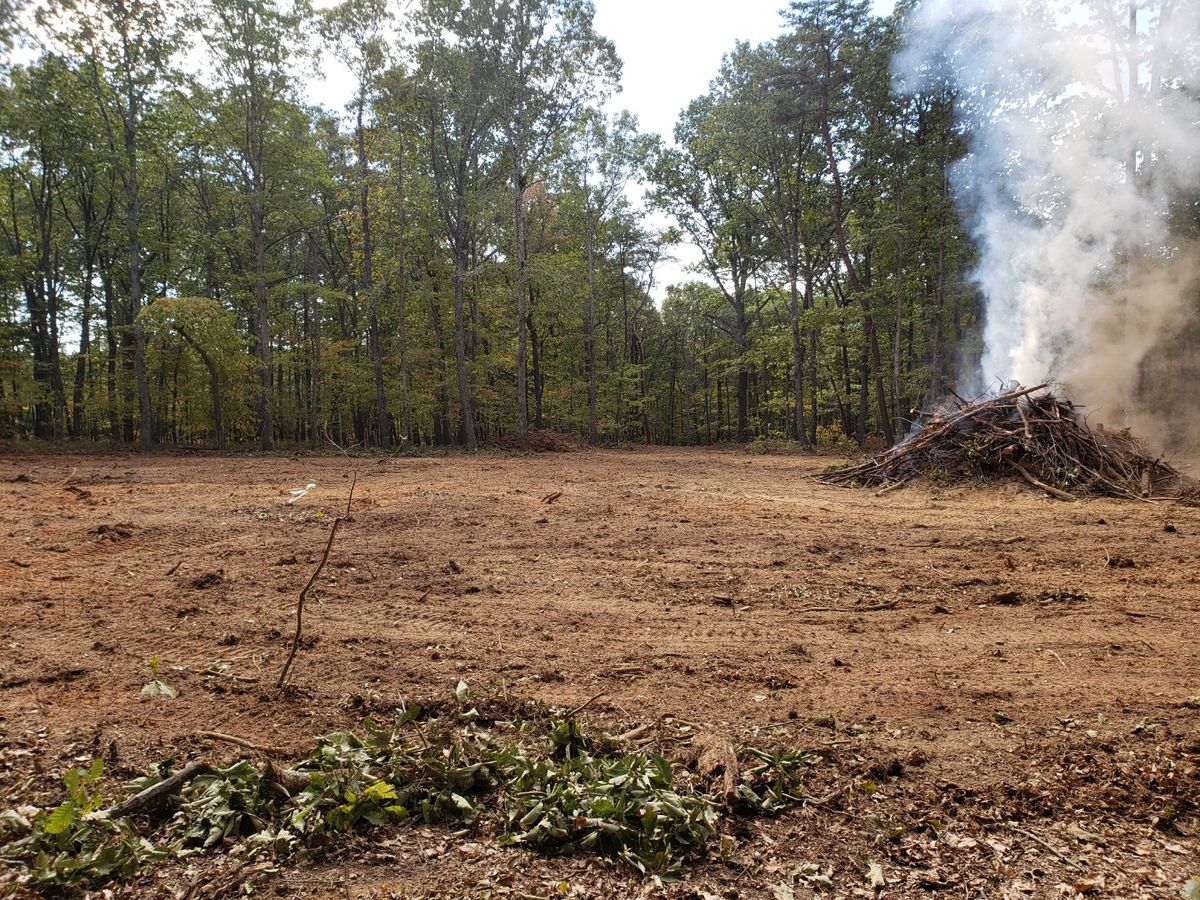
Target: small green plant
[(156, 688), (567, 738), (775, 782)]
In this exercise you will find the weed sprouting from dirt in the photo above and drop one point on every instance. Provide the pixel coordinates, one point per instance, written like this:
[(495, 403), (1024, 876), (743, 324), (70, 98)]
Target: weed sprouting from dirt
[(544, 784)]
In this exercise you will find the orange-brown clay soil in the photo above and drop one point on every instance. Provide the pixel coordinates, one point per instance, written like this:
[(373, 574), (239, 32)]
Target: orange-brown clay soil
[(1004, 687)]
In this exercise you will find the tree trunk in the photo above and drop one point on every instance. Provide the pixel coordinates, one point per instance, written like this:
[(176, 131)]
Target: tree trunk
[(856, 288), (56, 378), (742, 332), (812, 357), (460, 333), (368, 286), (539, 376), (110, 340), (81, 362), (518, 178), (255, 154), (897, 362), (402, 307), (590, 333), (132, 218), (214, 387), (797, 353)]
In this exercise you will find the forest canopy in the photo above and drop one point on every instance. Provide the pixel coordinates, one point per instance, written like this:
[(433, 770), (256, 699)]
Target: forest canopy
[(192, 253)]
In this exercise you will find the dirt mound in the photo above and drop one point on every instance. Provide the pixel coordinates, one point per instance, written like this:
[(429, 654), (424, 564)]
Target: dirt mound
[(1030, 432)]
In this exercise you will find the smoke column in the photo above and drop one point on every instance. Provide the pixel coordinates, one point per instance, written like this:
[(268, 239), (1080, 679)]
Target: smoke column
[(1080, 188)]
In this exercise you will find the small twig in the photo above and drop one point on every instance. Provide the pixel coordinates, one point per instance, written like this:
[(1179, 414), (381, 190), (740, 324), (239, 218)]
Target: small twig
[(240, 742), (1025, 419), (1059, 658), (287, 665), (350, 499), (174, 568), (826, 800), (217, 673), (575, 710), (1037, 840), (634, 733)]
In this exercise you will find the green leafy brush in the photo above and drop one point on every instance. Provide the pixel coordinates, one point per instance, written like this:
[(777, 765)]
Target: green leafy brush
[(548, 788)]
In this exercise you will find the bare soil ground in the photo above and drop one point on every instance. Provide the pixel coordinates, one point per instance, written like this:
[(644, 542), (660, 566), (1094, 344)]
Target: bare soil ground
[(1004, 688)]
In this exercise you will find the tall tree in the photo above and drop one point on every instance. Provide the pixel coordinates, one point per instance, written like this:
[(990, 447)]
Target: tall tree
[(354, 31), (254, 43), (31, 111), (608, 155), (133, 43), (547, 62), (821, 54), (456, 95), (701, 185)]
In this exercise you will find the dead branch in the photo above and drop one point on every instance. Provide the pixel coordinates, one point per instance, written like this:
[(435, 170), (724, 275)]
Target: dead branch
[(1049, 489), (575, 710), (156, 792), (287, 664), (240, 742)]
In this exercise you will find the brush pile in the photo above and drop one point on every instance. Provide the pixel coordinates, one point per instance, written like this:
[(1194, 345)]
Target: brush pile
[(1028, 432), (539, 442)]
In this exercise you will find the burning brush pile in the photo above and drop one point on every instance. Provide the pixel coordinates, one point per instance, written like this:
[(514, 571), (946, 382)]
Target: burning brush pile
[(1030, 433)]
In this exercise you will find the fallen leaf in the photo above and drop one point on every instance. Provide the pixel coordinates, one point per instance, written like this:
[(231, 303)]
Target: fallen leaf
[(875, 876)]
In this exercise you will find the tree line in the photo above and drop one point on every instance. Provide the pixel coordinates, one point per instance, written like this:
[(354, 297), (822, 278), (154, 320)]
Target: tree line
[(192, 253)]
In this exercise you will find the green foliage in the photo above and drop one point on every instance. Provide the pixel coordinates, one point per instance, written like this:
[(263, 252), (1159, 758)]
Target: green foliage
[(254, 216), (75, 843), (775, 782), (220, 806), (549, 787), (625, 806)]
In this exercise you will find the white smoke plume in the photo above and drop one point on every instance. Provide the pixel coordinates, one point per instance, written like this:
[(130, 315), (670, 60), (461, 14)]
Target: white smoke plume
[(1080, 187)]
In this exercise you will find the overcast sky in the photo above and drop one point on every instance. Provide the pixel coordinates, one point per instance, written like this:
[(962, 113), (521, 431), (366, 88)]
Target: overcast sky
[(671, 50)]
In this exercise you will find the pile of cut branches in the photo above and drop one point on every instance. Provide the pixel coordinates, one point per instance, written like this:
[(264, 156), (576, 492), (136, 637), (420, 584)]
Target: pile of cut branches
[(539, 442), (1026, 432), (547, 784)]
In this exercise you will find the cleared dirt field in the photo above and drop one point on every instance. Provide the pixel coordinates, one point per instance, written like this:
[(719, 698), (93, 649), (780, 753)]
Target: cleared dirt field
[(1005, 689)]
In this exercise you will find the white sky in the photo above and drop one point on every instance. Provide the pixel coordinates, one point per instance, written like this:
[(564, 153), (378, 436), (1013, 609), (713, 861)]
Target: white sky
[(671, 50)]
